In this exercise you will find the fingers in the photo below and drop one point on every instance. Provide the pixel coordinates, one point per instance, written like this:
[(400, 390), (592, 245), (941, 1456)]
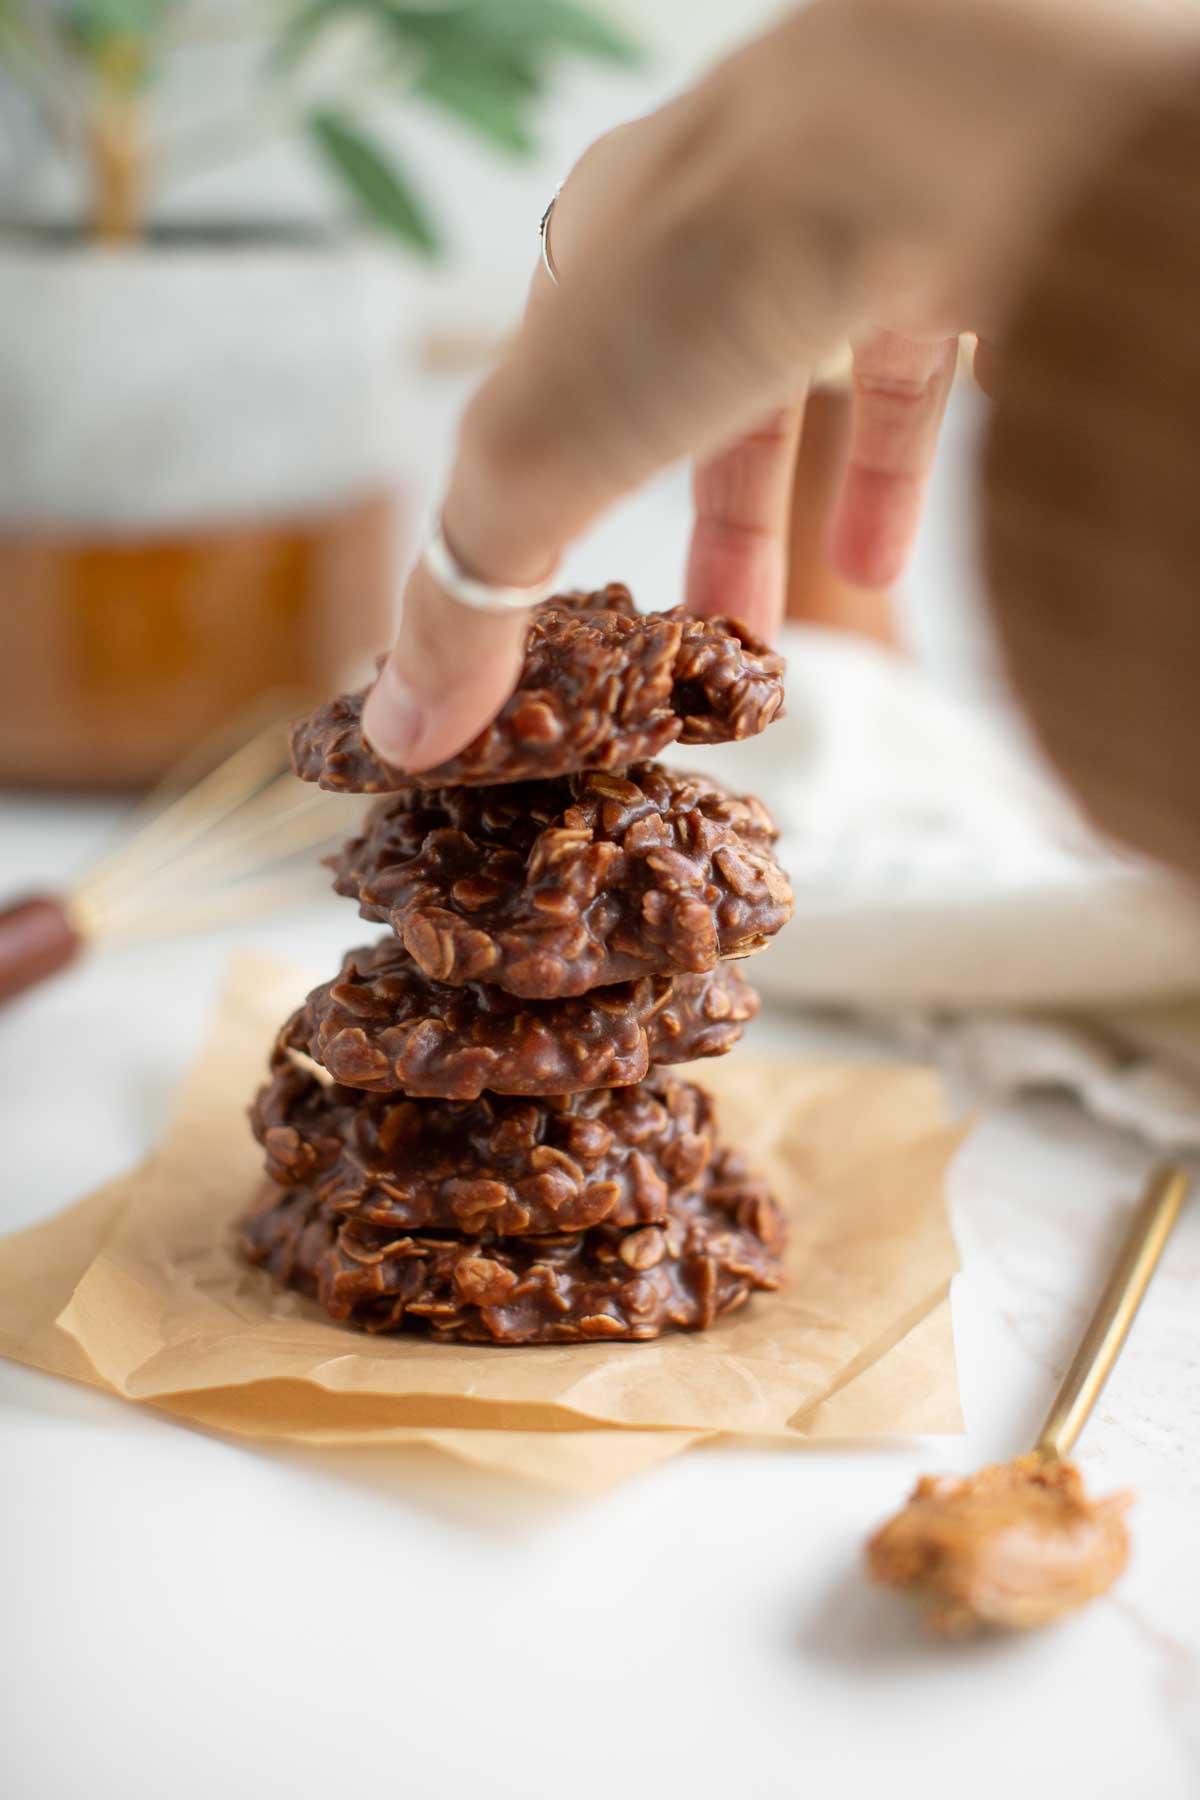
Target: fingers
[(901, 386), (676, 326), (684, 312), (737, 563), (450, 671)]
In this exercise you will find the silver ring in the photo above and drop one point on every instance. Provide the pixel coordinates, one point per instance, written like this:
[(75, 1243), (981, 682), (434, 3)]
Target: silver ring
[(483, 596), (544, 236)]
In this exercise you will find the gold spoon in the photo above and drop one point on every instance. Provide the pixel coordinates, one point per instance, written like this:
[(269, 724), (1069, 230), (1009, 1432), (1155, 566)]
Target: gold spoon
[(1020, 1543)]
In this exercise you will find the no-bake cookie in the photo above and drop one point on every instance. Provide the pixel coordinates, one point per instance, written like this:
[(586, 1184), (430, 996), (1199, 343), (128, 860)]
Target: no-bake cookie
[(383, 1025), (602, 686), (717, 1245), (505, 1165), (549, 889)]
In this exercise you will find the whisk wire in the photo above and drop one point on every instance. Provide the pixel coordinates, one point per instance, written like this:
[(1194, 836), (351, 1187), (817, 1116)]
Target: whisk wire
[(282, 819), (227, 836), (246, 901), (218, 794)]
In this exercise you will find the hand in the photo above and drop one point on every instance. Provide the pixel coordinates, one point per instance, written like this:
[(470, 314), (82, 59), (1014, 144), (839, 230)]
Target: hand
[(876, 171)]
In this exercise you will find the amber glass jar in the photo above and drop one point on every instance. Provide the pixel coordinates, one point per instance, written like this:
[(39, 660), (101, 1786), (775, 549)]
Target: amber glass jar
[(202, 434), (118, 654)]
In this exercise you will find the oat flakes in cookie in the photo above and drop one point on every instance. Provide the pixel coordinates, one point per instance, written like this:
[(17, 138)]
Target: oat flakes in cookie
[(550, 889), (602, 686), (717, 1245), (502, 1164), (384, 1025)]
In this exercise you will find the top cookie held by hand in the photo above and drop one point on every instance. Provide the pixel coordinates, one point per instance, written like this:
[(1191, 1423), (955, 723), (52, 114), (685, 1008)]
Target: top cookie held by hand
[(603, 686)]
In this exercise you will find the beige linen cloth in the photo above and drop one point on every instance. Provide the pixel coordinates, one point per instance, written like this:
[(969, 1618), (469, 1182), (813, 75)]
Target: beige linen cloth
[(138, 1289)]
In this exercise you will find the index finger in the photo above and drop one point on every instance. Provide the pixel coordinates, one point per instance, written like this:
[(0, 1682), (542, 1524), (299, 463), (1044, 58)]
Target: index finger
[(449, 671), (450, 668)]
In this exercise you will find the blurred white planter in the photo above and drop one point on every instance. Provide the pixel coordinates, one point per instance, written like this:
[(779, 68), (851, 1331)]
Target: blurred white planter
[(178, 385), (198, 461)]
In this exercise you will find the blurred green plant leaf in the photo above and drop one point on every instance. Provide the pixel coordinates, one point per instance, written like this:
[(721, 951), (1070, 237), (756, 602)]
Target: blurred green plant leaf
[(100, 22), (482, 100), (375, 181), (458, 38), (306, 23), (514, 35), (557, 25), (482, 63)]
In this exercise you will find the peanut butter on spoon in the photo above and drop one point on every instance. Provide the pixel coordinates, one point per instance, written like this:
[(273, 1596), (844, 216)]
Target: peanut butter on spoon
[(1020, 1544)]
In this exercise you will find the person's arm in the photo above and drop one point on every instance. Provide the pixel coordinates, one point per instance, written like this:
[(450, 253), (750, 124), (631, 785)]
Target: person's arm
[(1092, 491), (871, 166)]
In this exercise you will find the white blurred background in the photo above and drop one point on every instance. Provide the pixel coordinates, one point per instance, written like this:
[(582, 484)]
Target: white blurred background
[(936, 864)]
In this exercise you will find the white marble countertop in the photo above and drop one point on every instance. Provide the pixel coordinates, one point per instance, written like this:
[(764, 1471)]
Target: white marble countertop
[(189, 1616)]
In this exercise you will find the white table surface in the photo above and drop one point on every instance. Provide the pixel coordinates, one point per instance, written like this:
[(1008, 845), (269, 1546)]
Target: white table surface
[(192, 1617), (204, 1620)]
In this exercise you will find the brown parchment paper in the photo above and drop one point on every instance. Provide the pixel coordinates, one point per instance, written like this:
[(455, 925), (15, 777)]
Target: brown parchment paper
[(40, 1267), (138, 1289)]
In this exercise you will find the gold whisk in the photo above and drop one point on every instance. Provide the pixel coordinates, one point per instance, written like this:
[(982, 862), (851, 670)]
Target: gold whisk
[(215, 843)]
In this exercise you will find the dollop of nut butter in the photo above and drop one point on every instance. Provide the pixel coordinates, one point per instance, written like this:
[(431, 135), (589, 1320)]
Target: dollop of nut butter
[(1016, 1545)]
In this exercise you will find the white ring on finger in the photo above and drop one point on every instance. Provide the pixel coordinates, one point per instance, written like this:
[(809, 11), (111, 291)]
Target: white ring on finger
[(544, 236), (468, 590)]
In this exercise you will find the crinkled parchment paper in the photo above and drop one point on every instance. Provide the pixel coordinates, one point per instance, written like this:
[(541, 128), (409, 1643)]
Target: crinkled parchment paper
[(138, 1289)]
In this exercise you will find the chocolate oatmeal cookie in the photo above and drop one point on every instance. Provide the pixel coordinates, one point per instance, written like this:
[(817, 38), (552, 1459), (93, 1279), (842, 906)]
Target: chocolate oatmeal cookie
[(716, 1245), (549, 889), (500, 1165), (383, 1025), (602, 686)]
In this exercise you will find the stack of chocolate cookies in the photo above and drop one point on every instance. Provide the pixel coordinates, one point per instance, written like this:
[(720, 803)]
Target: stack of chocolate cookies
[(473, 1129)]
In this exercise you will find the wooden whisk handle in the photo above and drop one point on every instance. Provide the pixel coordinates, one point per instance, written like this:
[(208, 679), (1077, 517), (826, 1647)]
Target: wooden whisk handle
[(37, 939)]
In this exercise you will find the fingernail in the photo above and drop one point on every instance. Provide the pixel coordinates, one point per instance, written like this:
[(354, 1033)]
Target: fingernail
[(394, 718)]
